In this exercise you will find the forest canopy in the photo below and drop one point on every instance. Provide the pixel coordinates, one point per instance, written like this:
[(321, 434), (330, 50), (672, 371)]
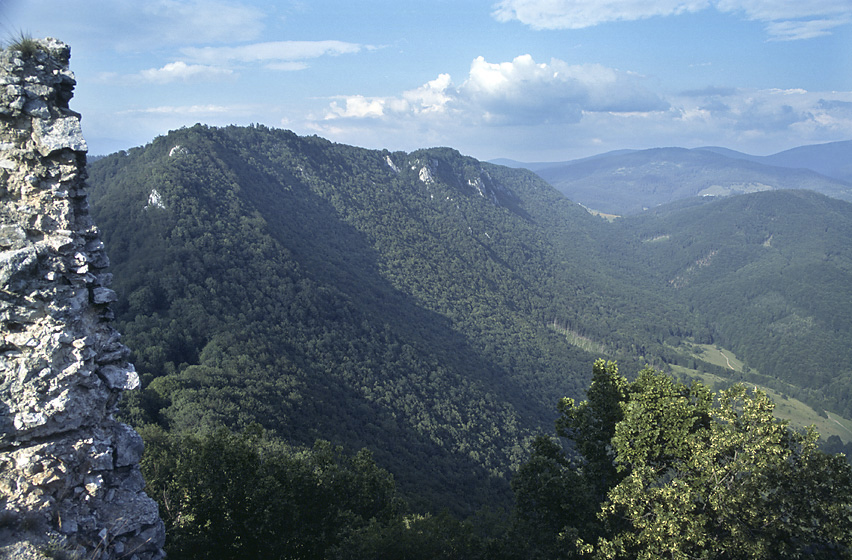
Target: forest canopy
[(428, 308), (654, 469), (668, 470)]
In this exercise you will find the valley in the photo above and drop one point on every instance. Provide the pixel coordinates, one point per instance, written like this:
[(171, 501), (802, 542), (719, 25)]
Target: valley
[(448, 301), (431, 310)]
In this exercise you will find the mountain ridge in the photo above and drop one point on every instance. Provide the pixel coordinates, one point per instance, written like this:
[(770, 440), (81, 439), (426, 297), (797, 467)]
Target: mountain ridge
[(425, 305), (631, 181)]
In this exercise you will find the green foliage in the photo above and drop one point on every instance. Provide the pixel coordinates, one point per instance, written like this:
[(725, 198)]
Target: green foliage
[(772, 272), (591, 424), (427, 306), (554, 504), (226, 495), (723, 479), (309, 287), (416, 537), (701, 476)]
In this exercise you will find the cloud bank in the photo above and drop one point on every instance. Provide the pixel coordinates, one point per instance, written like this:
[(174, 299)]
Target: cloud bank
[(549, 108), (506, 93), (271, 52)]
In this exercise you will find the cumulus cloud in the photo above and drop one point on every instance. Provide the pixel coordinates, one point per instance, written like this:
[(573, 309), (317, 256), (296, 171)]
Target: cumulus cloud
[(357, 106), (183, 72), (541, 111), (784, 19), (773, 113), (273, 52), (558, 87), (520, 91)]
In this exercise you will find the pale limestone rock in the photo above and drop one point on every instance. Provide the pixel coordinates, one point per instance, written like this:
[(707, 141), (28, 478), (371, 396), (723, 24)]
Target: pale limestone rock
[(69, 472), (51, 136)]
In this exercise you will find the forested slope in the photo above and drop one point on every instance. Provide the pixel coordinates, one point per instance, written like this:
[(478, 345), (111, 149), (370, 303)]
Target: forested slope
[(430, 311), (772, 273), (430, 307), (416, 304)]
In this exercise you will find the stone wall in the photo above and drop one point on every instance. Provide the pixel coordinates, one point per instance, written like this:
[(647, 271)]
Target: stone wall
[(69, 474)]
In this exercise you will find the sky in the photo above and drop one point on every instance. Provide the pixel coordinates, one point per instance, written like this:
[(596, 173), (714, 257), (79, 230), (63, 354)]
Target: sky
[(530, 80)]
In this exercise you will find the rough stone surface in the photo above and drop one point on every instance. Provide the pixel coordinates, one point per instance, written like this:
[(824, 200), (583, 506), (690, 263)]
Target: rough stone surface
[(69, 472)]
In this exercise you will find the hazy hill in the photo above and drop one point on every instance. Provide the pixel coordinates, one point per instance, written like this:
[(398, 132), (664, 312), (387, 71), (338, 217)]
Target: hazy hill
[(432, 307), (627, 183), (538, 165), (833, 159)]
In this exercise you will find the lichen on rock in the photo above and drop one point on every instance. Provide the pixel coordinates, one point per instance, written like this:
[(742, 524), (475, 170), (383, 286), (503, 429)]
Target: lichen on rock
[(69, 472)]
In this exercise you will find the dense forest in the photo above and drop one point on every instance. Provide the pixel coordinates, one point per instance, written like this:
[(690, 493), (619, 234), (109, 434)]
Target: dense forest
[(378, 337)]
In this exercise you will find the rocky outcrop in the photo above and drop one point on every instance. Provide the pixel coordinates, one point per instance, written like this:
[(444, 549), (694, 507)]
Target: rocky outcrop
[(69, 474)]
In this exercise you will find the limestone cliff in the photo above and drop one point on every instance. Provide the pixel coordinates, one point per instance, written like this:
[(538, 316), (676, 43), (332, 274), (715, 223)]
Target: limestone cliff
[(69, 474)]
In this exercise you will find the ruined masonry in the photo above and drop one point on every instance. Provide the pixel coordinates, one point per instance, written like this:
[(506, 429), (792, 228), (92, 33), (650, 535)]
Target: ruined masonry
[(69, 473)]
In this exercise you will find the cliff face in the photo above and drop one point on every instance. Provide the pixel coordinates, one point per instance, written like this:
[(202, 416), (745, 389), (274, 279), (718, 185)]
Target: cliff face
[(69, 474)]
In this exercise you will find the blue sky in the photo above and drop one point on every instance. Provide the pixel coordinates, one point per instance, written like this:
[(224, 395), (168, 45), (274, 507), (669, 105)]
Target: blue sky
[(532, 80)]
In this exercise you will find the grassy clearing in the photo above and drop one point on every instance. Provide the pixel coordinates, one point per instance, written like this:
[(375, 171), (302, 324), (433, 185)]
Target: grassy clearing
[(718, 357), (786, 408)]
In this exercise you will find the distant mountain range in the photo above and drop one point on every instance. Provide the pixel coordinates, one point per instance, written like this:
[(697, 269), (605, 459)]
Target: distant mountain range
[(631, 181)]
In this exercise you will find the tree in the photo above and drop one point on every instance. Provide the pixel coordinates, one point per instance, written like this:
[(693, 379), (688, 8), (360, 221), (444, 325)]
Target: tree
[(591, 424), (692, 474), (720, 477), (226, 496)]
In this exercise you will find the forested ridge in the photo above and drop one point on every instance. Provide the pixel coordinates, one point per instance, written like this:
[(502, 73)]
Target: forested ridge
[(425, 308), (772, 272)]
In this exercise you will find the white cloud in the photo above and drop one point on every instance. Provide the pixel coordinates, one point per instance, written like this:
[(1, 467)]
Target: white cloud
[(432, 97), (795, 30), (357, 106), (777, 10), (287, 66), (784, 19), (273, 52), (555, 91), (754, 121), (198, 21), (199, 110), (212, 63), (544, 111), (181, 71), (97, 28), (577, 14), (517, 92)]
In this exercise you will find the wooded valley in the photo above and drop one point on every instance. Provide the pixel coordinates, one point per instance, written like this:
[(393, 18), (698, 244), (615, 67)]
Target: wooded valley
[(357, 353)]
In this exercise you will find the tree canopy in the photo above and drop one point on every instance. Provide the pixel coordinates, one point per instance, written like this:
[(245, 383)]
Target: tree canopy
[(688, 474)]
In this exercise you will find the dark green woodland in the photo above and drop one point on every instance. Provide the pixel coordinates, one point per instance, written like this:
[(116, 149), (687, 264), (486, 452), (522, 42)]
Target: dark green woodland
[(352, 353)]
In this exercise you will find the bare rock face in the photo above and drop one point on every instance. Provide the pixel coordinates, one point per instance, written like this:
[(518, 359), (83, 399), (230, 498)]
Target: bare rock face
[(69, 472)]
